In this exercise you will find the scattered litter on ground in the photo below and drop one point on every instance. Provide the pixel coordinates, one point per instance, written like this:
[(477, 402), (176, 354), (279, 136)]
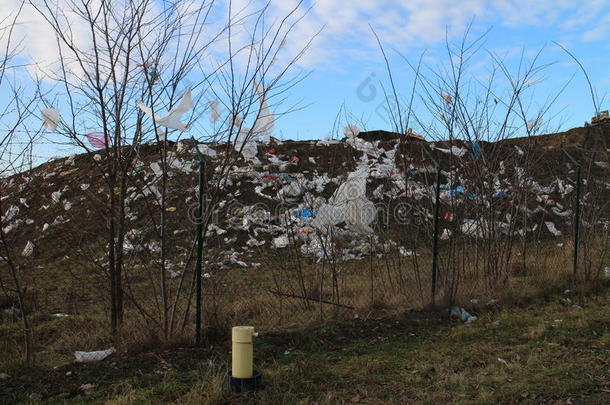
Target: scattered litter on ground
[(461, 314), (87, 357)]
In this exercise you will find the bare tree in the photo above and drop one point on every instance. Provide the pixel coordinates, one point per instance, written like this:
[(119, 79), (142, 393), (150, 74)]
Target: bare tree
[(135, 63), (16, 143)]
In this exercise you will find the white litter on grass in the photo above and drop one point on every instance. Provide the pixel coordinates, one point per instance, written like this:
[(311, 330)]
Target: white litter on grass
[(87, 357), (246, 144), (348, 204), (84, 186), (404, 252), (181, 165), (459, 152), (280, 242), (28, 250), (56, 196), (473, 228), (552, 229), (173, 117), (603, 165), (10, 213), (366, 147), (156, 168), (205, 150)]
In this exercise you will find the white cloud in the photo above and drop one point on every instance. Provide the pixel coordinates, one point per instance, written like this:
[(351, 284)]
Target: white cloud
[(404, 24)]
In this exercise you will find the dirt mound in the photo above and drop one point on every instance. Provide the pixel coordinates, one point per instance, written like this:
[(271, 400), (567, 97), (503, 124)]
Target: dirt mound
[(266, 205)]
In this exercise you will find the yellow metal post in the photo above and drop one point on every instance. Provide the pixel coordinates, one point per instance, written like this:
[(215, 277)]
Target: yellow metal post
[(243, 351)]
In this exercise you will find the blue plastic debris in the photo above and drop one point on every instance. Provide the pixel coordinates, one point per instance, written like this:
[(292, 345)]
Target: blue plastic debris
[(413, 173), (501, 194), (306, 213), (461, 314), (152, 74), (286, 177)]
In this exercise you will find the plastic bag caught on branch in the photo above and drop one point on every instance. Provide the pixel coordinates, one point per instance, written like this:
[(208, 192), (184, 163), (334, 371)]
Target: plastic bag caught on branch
[(263, 126), (50, 118), (351, 131), (214, 112), (173, 117)]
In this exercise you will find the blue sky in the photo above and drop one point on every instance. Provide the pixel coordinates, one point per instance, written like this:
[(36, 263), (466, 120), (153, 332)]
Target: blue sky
[(345, 53)]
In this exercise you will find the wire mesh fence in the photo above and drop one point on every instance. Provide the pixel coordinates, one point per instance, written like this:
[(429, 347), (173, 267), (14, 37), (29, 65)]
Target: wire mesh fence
[(408, 226)]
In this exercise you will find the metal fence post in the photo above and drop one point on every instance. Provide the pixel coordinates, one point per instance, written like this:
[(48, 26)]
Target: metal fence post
[(576, 216), (200, 211)]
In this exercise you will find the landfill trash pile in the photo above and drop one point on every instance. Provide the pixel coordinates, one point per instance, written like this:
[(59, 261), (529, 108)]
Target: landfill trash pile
[(373, 195)]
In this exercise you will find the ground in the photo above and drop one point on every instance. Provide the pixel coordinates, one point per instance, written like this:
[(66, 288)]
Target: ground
[(546, 351)]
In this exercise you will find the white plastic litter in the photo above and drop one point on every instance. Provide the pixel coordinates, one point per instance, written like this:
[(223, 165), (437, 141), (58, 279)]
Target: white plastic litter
[(10, 213), (28, 250), (533, 124), (50, 118), (552, 229), (214, 113), (476, 228), (280, 242), (351, 131), (56, 196), (156, 168), (173, 117), (246, 144), (205, 150), (459, 152), (263, 126), (603, 165), (348, 204), (328, 141), (87, 357)]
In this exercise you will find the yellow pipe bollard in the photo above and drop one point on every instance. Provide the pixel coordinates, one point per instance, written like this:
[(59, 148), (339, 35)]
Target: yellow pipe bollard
[(243, 351)]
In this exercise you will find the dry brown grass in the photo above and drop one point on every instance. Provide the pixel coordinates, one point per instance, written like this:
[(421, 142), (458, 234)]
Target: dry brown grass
[(272, 301)]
